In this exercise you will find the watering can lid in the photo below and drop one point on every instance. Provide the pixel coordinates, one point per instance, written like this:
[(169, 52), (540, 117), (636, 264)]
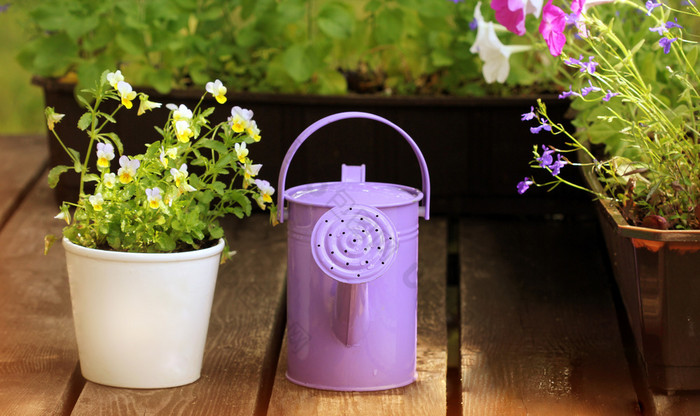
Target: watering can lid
[(332, 194)]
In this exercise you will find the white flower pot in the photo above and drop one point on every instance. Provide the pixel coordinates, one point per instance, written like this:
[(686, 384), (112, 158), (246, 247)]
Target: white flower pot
[(141, 319)]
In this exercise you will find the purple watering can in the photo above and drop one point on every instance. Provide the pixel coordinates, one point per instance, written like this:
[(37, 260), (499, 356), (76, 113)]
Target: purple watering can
[(352, 275)]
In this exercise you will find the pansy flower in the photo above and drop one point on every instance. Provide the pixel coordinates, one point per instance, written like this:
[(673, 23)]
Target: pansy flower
[(127, 171), (96, 201), (109, 180), (240, 119), (52, 117), (126, 93), (105, 153), (241, 151), (266, 192), (183, 131), (115, 78), (180, 177), (146, 105), (218, 90), (154, 197)]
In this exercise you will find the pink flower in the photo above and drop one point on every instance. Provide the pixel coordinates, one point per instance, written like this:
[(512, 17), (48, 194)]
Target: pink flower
[(552, 28), (511, 13)]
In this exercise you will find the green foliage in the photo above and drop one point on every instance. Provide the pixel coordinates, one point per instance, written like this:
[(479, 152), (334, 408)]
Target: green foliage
[(152, 203), (290, 46), (642, 107)]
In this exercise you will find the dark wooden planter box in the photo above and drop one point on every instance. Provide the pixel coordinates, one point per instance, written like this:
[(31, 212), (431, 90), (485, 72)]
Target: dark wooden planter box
[(477, 149), (658, 275)]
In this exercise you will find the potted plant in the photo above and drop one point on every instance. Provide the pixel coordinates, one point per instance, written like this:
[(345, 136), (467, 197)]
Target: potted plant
[(636, 95), (296, 61), (143, 244)]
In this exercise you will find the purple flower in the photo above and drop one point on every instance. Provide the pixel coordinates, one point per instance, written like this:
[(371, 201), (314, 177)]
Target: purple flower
[(651, 5), (587, 90), (536, 130), (530, 115), (666, 44), (546, 159), (574, 61), (569, 93), (556, 166), (4, 7), (524, 185), (609, 95), (674, 24), (474, 24), (660, 30), (589, 66)]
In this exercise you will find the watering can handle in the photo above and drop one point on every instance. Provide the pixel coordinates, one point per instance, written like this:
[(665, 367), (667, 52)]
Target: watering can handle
[(425, 177)]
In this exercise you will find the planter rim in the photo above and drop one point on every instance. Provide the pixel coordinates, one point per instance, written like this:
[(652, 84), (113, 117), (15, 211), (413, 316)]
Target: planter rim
[(119, 256), (624, 229), (350, 98)]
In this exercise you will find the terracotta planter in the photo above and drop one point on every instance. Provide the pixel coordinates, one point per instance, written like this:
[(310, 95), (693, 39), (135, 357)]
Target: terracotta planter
[(658, 275), (477, 149)]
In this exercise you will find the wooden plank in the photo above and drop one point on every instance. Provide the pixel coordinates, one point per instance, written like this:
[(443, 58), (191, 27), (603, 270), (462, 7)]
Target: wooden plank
[(539, 330), (38, 355), (685, 403), (424, 397), (243, 341), (22, 160)]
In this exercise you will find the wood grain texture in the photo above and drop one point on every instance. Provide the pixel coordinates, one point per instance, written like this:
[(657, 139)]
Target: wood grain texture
[(38, 355), (424, 397), (22, 160), (242, 343), (539, 331)]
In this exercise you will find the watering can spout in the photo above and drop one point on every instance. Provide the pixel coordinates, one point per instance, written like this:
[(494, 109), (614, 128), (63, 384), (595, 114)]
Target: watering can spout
[(351, 315)]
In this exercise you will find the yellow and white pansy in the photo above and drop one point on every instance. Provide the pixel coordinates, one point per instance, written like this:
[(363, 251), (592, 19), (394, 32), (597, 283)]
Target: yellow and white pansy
[(253, 130), (240, 119), (241, 151), (218, 90), (183, 131), (96, 201), (126, 93), (109, 180), (180, 112), (146, 105), (105, 153), (266, 192), (154, 197), (52, 117), (127, 171), (180, 177), (251, 171), (164, 154), (114, 78)]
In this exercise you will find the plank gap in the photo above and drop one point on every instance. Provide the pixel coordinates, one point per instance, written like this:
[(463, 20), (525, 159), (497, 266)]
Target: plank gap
[(452, 310), (76, 382), (272, 356)]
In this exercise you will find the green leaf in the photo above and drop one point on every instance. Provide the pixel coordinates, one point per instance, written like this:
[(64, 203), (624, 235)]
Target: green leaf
[(388, 26), (165, 242), (214, 145), (116, 141), (297, 64), (336, 20), (85, 121), (55, 173), (91, 177)]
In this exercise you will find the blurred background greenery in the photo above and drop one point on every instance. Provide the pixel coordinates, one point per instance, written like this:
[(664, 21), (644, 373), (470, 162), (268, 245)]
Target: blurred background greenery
[(21, 106)]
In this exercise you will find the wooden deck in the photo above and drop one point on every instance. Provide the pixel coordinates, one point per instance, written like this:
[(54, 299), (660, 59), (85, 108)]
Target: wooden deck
[(517, 316)]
